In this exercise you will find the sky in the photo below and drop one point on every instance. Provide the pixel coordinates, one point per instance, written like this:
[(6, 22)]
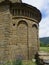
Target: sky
[(43, 6)]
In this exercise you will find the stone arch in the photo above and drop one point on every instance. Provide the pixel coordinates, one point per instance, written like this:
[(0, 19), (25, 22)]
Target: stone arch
[(35, 30), (34, 36), (34, 25), (22, 21), (22, 29)]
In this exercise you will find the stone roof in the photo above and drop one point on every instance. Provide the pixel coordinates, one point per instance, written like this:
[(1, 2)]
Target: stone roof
[(13, 1), (16, 1)]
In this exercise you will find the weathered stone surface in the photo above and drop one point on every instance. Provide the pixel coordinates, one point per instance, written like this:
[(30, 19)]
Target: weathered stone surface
[(18, 33), (1, 0), (43, 57)]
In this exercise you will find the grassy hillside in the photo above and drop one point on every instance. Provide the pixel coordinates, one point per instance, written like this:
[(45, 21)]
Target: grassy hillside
[(44, 41)]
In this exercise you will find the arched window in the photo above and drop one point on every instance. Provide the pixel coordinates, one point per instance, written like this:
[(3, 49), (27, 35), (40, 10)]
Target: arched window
[(22, 38), (22, 22), (34, 30), (22, 32), (34, 35), (34, 25)]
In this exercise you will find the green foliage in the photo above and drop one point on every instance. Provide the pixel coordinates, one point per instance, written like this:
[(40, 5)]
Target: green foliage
[(47, 45), (43, 45), (17, 62), (8, 63), (29, 62), (44, 42), (20, 62)]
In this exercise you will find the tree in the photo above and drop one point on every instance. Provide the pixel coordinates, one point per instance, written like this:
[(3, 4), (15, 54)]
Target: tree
[(47, 45)]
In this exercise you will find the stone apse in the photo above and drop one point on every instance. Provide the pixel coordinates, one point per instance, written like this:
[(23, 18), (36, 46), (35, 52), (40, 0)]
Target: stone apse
[(19, 26)]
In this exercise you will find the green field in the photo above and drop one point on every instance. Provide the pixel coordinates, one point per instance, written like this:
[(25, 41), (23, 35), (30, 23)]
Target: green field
[(45, 49)]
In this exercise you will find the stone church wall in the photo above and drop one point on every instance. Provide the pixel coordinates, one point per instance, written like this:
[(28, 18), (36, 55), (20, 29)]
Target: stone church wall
[(18, 35)]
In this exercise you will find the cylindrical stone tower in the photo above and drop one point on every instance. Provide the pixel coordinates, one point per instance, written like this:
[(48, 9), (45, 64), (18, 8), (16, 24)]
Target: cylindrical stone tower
[(19, 26)]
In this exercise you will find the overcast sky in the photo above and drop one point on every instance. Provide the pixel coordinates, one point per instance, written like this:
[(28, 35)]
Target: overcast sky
[(43, 6)]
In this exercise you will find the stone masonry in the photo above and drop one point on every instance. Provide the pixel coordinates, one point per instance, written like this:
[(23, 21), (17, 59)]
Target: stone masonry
[(19, 24)]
